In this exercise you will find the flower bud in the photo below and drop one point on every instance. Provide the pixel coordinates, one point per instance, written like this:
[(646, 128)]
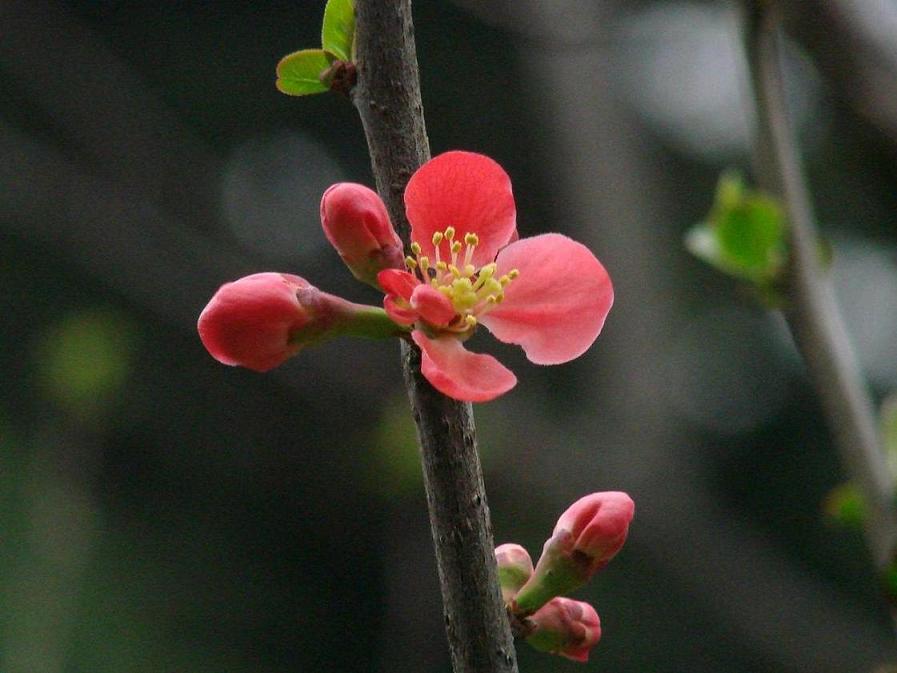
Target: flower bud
[(259, 321), (514, 569), (357, 225), (587, 536), (565, 627)]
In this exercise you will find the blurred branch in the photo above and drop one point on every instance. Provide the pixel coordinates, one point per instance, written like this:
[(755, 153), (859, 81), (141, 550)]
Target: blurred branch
[(118, 238), (853, 42), (610, 189), (389, 102), (812, 313), (102, 108)]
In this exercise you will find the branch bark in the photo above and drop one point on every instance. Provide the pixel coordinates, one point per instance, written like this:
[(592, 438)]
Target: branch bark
[(388, 100), (812, 312)]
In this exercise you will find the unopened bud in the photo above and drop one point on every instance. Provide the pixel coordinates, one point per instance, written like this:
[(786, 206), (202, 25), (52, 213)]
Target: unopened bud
[(514, 568), (357, 225), (259, 321), (587, 536), (565, 627)]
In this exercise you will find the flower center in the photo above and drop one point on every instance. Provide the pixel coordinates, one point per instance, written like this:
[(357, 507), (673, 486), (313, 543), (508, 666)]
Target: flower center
[(472, 291)]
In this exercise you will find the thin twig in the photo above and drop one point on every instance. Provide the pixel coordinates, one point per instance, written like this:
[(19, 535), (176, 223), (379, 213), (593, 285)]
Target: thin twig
[(812, 312), (388, 100)]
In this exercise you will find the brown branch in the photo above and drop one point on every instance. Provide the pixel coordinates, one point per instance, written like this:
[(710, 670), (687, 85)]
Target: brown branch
[(812, 313), (388, 100)]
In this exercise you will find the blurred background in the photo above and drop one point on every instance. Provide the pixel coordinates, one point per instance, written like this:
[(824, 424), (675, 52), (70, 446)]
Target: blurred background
[(162, 512)]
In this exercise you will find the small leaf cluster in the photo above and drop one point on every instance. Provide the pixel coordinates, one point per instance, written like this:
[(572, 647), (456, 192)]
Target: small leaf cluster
[(844, 504), (311, 71), (743, 235)]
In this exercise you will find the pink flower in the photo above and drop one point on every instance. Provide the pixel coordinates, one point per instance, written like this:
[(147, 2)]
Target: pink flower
[(548, 294), (587, 536), (356, 223), (565, 627)]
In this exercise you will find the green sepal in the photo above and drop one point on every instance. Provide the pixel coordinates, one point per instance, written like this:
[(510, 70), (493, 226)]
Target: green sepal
[(338, 29), (511, 578), (546, 641), (556, 574), (744, 234), (299, 73)]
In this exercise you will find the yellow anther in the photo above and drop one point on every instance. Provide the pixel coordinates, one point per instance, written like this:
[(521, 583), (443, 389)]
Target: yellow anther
[(410, 262), (415, 248), (450, 233), (441, 266), (454, 270), (469, 270), (471, 239), (424, 263), (456, 247), (470, 320), (492, 286), (504, 280), (513, 273), (437, 238), (500, 298), (492, 299), (488, 270)]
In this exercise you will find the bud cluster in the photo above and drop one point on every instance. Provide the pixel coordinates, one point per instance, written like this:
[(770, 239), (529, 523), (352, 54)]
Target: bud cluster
[(586, 537)]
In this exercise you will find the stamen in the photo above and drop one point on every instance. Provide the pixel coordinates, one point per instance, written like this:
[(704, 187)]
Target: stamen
[(410, 262), (471, 240), (513, 273), (441, 266), (469, 270), (415, 248), (437, 238), (454, 270), (470, 320), (450, 233)]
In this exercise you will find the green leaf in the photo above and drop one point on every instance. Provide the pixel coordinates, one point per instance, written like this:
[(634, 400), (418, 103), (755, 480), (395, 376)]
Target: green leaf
[(338, 30), (744, 235), (845, 505), (299, 73)]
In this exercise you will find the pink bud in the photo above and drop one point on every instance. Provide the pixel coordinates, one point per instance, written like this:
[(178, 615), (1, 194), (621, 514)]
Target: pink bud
[(587, 536), (252, 321), (357, 225), (514, 568), (598, 524), (565, 627)]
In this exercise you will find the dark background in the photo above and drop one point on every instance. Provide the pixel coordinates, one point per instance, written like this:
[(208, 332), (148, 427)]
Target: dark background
[(161, 512)]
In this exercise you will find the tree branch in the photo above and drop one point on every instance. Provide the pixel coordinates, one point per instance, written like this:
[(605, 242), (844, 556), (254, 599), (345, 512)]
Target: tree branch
[(388, 100), (812, 311)]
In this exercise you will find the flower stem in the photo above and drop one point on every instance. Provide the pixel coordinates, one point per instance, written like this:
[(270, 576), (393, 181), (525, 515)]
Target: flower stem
[(388, 100), (369, 322), (812, 312)]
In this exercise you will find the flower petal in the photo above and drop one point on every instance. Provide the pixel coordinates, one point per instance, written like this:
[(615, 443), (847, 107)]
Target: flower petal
[(458, 373), (399, 314), (556, 307), (398, 283), (432, 305), (467, 191)]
